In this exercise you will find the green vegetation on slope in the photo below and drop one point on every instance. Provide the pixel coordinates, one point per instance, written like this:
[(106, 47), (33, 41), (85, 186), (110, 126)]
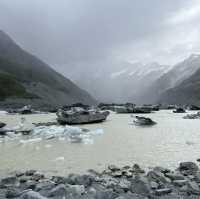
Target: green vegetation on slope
[(31, 75), (9, 86)]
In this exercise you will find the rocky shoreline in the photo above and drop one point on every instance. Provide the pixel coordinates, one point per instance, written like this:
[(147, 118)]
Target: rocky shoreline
[(128, 182)]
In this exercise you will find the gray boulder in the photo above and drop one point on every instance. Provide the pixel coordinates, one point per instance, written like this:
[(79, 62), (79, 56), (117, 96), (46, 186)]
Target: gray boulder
[(140, 186), (59, 191), (80, 116), (9, 182), (2, 124), (188, 168), (31, 195)]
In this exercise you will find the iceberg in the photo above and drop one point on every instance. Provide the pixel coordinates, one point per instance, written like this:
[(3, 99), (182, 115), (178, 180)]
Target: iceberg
[(26, 133), (68, 133)]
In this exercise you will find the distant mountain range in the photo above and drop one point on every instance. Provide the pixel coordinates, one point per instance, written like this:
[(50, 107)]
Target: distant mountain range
[(186, 91), (128, 80), (169, 88), (25, 79), (144, 83)]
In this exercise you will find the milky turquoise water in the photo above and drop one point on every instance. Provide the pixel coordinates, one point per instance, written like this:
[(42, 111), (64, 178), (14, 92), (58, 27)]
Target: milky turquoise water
[(172, 140)]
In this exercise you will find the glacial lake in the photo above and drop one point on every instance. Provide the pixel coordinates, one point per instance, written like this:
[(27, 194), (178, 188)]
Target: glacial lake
[(171, 141)]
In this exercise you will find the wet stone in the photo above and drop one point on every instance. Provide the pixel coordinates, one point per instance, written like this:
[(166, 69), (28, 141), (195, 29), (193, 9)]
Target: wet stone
[(137, 169), (37, 176), (126, 167), (116, 174), (30, 172), (62, 180), (180, 183), (193, 187), (124, 184), (162, 170), (197, 177), (31, 195), (2, 124), (140, 186), (58, 191), (3, 193), (24, 179), (128, 174), (173, 176), (156, 176), (76, 189), (154, 185), (45, 185), (113, 168), (9, 181), (188, 168), (12, 192), (19, 174), (160, 192), (30, 184), (106, 194)]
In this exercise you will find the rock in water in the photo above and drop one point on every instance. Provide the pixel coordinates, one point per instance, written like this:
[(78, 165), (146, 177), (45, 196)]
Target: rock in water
[(179, 110), (77, 115), (188, 168), (143, 121), (2, 124), (192, 116)]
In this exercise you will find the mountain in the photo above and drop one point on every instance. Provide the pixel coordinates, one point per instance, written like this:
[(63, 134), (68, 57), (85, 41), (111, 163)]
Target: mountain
[(186, 92), (25, 79), (159, 89), (119, 81)]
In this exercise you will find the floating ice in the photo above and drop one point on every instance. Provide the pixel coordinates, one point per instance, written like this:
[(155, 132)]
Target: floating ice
[(23, 126), (60, 159), (30, 140), (62, 133), (48, 146), (97, 132), (69, 133), (3, 112)]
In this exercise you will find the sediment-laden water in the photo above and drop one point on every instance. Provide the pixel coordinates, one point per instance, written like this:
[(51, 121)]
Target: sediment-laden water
[(172, 140)]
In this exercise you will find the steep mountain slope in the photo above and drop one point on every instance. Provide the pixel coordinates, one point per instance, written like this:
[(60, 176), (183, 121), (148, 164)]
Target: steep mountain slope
[(187, 92), (38, 83), (171, 79)]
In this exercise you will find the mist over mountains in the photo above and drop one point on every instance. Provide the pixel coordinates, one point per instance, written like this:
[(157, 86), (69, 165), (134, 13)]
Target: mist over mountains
[(118, 51), (137, 82), (160, 91), (121, 85), (25, 79), (187, 91), (36, 83)]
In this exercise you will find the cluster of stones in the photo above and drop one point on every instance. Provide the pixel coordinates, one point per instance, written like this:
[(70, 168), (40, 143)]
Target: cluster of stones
[(113, 183), (2, 131), (192, 116)]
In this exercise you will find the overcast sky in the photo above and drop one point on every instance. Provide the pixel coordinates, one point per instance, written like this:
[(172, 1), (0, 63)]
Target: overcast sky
[(66, 33)]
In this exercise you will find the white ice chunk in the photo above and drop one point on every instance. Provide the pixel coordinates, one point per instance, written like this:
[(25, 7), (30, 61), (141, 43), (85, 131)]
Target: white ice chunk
[(23, 125), (30, 140), (60, 159), (69, 133)]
